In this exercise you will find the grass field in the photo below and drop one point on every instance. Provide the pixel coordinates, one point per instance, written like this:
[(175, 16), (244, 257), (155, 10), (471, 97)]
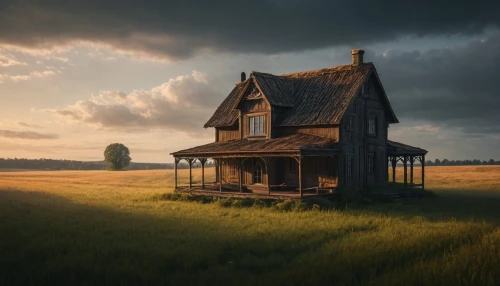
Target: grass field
[(109, 228)]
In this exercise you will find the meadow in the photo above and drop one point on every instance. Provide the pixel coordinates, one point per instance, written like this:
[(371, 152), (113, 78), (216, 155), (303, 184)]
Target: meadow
[(113, 228)]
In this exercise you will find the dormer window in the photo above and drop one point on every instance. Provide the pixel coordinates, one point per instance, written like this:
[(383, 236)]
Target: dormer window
[(256, 125)]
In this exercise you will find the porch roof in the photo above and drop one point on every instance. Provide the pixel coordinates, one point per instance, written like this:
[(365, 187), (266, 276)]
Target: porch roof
[(289, 144), (399, 149)]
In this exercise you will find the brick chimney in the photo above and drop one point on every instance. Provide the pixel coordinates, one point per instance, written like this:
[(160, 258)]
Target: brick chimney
[(243, 76), (357, 57)]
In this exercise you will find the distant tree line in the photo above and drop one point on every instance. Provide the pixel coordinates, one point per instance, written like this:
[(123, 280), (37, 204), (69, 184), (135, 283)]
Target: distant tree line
[(446, 162), (51, 164)]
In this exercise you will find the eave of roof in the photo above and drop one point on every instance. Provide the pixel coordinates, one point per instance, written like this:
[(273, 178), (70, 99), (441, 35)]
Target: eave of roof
[(285, 144), (399, 149)]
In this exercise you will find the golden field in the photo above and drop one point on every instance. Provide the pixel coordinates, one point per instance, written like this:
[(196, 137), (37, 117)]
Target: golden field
[(109, 228)]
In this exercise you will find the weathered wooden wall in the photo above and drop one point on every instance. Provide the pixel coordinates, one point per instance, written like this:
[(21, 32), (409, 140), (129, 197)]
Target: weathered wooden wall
[(227, 133), (358, 145), (317, 171)]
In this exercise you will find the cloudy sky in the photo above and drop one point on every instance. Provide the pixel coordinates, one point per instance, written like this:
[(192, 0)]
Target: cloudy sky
[(76, 76)]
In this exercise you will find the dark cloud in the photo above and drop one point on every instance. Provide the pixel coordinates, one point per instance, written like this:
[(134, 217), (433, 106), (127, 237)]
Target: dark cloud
[(180, 29), (458, 86), (183, 104), (26, 135)]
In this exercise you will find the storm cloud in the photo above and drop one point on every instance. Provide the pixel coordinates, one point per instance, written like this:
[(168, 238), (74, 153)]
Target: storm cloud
[(455, 86), (26, 135), (181, 29)]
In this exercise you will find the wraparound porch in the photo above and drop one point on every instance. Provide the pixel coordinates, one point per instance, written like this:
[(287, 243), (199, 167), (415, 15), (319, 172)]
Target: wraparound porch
[(310, 172)]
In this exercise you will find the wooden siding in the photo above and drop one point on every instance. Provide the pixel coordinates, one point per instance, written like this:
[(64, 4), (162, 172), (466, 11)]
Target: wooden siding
[(317, 171), (357, 144), (227, 133)]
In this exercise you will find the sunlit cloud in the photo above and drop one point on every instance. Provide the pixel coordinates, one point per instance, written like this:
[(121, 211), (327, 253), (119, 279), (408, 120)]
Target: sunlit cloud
[(24, 124), (8, 60), (183, 103), (31, 75), (30, 135)]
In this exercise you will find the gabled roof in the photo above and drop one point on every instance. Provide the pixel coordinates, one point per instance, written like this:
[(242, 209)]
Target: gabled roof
[(288, 143), (278, 90), (311, 97), (225, 115)]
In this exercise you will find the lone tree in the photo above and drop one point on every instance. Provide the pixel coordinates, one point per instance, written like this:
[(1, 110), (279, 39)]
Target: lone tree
[(117, 156)]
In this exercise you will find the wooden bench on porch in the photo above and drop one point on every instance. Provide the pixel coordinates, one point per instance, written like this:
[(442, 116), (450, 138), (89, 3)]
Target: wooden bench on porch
[(329, 185)]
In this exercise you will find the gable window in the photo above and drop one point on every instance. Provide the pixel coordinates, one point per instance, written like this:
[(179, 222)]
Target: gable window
[(371, 165), (372, 126), (257, 174), (256, 125)]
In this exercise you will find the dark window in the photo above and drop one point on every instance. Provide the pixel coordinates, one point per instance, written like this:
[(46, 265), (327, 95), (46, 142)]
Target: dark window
[(372, 126), (233, 170), (329, 167), (257, 174), (350, 161), (256, 125), (371, 163), (350, 123), (292, 164), (365, 88)]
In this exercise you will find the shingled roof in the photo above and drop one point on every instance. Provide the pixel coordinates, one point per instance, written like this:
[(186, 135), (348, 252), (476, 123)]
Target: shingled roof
[(311, 97), (289, 143), (399, 149)]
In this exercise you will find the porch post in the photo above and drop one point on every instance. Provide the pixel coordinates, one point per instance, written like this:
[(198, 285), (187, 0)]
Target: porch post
[(423, 173), (202, 161), (340, 171), (412, 159), (175, 172), (220, 175), (300, 176), (266, 162), (240, 174), (405, 164), (190, 161), (393, 163)]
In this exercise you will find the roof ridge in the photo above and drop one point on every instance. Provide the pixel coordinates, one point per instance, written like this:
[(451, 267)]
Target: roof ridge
[(263, 74), (334, 69)]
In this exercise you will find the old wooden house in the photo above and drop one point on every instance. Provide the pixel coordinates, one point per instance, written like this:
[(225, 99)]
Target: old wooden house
[(303, 133)]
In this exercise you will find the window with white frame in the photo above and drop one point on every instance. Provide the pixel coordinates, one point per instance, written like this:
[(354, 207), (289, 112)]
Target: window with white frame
[(256, 125)]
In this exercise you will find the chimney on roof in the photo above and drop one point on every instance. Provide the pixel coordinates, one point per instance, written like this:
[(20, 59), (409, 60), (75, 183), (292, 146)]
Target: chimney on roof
[(243, 76), (357, 57)]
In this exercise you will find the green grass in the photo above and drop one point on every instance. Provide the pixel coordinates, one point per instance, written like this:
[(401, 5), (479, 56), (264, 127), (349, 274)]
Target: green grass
[(110, 228)]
